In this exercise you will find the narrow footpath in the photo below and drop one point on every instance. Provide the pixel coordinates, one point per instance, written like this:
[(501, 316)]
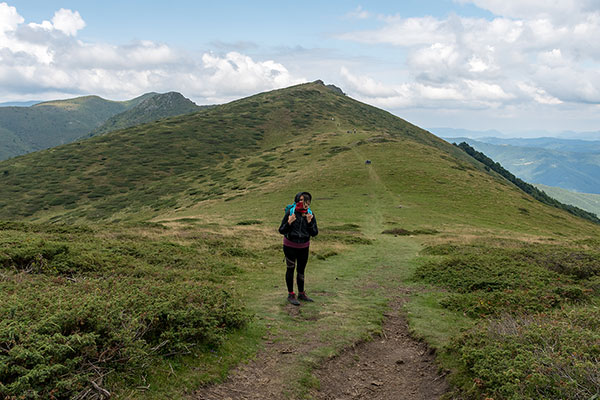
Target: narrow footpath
[(391, 366)]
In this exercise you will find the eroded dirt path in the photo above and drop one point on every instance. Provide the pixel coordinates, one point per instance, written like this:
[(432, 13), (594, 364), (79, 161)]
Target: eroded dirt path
[(391, 366)]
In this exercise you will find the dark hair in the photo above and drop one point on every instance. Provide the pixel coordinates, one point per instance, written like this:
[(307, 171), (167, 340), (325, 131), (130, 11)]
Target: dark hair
[(305, 194)]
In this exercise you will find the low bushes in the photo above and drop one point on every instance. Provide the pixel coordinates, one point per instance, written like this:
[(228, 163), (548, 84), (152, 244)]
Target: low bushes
[(81, 307), (538, 312)]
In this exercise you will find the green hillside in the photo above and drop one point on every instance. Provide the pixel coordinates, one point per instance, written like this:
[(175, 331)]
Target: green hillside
[(168, 271), (49, 124), (151, 109), (586, 201)]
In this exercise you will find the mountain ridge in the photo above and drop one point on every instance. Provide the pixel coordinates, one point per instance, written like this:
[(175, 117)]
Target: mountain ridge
[(150, 109), (51, 123), (227, 151)]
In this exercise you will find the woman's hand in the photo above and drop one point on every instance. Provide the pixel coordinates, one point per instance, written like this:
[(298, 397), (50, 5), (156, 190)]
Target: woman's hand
[(291, 219), (309, 217)]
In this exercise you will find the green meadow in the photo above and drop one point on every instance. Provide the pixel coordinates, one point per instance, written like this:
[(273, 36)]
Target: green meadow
[(146, 262)]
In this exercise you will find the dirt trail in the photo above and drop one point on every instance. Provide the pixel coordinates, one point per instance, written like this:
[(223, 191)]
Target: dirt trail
[(391, 366)]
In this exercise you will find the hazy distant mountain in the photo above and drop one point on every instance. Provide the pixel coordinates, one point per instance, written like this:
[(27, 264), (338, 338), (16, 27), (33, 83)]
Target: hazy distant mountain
[(459, 133), (548, 143), (151, 109), (19, 103), (492, 133), (568, 164)]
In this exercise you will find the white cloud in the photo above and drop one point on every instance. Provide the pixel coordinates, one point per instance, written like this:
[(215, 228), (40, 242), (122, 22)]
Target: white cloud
[(47, 57), (358, 13), (531, 52), (9, 18), (68, 21), (556, 9), (64, 21), (463, 93), (403, 32), (539, 95), (237, 74)]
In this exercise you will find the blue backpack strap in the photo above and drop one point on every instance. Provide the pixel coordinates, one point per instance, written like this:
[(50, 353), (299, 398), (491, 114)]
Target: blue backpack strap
[(292, 209)]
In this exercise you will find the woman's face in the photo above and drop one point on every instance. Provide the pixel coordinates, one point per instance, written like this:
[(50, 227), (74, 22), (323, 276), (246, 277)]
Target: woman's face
[(305, 202)]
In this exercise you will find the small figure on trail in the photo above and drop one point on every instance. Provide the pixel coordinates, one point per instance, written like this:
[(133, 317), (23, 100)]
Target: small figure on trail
[(298, 225)]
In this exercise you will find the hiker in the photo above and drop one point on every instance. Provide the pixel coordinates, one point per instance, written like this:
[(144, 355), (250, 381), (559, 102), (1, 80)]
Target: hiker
[(298, 225)]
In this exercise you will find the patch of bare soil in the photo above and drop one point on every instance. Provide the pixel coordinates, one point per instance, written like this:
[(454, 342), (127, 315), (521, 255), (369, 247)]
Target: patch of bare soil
[(391, 366)]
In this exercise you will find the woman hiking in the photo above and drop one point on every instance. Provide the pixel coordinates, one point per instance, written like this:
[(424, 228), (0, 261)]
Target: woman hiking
[(298, 225)]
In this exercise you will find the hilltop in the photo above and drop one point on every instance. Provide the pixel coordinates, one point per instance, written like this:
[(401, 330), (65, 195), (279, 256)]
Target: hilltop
[(151, 109), (52, 123)]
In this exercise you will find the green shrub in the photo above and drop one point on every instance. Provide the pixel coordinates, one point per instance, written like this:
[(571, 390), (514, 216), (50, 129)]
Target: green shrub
[(548, 356), (537, 335), (250, 222), (55, 348)]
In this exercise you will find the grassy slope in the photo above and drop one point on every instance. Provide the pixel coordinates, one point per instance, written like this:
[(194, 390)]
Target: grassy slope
[(586, 201), (200, 176), (53, 123)]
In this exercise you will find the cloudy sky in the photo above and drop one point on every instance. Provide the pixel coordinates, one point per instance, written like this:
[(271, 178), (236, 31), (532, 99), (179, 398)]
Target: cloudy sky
[(510, 65)]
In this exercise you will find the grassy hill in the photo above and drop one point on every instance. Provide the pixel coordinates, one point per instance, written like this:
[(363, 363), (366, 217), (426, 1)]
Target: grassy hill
[(49, 124), (151, 109), (169, 270)]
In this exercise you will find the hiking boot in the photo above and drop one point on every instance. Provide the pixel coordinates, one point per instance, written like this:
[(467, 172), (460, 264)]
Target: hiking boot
[(302, 296), (292, 299)]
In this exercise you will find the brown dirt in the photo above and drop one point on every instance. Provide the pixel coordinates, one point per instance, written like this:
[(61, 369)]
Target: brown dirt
[(391, 366)]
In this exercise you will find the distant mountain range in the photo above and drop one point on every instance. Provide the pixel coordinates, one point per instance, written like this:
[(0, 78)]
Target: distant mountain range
[(492, 133), (566, 169), (568, 164), (19, 103), (52, 123)]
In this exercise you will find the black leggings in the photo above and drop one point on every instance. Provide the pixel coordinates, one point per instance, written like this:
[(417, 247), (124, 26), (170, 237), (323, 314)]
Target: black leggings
[(295, 257)]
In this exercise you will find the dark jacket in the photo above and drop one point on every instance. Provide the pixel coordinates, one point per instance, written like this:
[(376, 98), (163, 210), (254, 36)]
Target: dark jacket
[(300, 230)]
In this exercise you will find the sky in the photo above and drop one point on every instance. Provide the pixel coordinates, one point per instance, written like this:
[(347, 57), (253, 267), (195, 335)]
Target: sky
[(516, 66)]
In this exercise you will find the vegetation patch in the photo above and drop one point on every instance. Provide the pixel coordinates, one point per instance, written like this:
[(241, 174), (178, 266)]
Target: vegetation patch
[(544, 356), (405, 232), (250, 222), (81, 310), (537, 309)]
